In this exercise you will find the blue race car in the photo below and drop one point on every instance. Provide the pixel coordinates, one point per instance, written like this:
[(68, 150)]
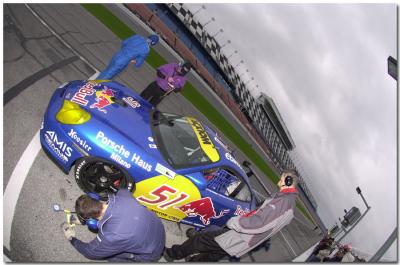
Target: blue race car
[(174, 165)]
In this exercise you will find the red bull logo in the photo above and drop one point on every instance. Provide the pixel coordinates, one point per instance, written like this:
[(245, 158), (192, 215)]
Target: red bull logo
[(103, 99), (203, 208)]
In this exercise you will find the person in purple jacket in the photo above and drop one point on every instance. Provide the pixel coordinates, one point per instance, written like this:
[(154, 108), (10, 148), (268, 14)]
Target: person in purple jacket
[(127, 231), (170, 78)]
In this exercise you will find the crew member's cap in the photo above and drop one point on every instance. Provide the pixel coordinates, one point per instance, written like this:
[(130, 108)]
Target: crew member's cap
[(185, 68), (153, 39)]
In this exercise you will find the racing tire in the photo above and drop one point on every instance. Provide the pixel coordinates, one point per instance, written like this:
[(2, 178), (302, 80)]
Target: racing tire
[(100, 176)]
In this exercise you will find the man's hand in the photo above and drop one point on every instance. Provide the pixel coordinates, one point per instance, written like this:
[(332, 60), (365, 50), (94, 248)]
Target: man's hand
[(69, 231)]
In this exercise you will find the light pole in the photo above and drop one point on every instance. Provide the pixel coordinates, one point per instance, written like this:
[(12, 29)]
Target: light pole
[(359, 219), (248, 81), (218, 32), (203, 7), (208, 22), (247, 70), (241, 61), (232, 54), (226, 43)]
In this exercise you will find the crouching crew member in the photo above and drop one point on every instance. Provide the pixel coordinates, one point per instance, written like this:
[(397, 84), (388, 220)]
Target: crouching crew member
[(127, 231), (243, 233)]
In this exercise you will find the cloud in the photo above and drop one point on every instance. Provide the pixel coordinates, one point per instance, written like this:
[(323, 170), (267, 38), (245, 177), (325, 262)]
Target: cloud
[(325, 67)]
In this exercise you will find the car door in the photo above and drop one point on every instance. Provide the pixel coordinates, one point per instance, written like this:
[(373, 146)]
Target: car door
[(228, 195)]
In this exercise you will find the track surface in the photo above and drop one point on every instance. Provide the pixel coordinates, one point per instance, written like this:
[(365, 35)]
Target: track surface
[(35, 63)]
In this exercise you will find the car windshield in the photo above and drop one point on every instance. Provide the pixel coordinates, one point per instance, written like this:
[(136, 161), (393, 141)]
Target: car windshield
[(177, 141)]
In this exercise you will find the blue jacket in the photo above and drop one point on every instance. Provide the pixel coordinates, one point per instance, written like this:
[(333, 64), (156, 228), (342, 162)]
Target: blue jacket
[(135, 47), (127, 232)]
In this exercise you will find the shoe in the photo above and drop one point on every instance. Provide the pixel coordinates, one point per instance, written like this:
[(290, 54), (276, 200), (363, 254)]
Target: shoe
[(166, 256), (191, 232)]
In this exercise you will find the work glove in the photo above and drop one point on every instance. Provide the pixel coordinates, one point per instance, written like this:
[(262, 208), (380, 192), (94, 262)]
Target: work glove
[(75, 220), (69, 231)]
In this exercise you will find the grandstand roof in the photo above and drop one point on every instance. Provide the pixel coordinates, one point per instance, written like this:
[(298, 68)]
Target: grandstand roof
[(271, 111)]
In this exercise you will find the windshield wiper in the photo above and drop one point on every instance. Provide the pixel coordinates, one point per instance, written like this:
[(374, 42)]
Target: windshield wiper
[(160, 118)]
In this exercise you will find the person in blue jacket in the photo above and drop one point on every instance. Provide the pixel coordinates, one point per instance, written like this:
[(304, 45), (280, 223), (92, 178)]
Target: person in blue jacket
[(135, 48), (127, 231)]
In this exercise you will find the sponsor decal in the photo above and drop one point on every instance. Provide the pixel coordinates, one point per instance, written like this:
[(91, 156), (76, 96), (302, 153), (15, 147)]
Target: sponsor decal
[(42, 125), (120, 153), (165, 171), (204, 140), (103, 99), (218, 140), (153, 146), (78, 169), (62, 150), (233, 160), (240, 211), (82, 142), (150, 139), (119, 149), (131, 102), (117, 158), (203, 208), (79, 97), (138, 161)]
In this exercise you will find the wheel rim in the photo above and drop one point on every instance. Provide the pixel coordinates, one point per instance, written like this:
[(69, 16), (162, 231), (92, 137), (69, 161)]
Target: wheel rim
[(102, 178)]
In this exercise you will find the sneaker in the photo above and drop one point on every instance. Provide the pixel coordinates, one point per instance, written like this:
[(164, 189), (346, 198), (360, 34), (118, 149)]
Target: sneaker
[(166, 256), (191, 232)]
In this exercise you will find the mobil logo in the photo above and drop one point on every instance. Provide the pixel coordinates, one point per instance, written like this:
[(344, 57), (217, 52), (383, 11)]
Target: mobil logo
[(203, 208), (103, 99)]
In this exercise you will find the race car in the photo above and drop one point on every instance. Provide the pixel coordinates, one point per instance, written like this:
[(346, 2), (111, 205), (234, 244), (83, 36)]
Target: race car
[(176, 166)]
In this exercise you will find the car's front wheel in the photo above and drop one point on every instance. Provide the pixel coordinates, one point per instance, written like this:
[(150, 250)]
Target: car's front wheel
[(100, 176)]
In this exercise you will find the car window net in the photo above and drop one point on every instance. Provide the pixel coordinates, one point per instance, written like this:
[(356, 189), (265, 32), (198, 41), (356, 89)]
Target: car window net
[(223, 182)]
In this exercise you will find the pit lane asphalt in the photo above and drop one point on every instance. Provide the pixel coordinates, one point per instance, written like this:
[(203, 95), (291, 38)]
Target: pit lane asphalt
[(35, 63)]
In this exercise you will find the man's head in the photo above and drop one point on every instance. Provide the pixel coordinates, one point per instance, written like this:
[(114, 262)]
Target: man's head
[(153, 39), (89, 208), (184, 68), (288, 179)]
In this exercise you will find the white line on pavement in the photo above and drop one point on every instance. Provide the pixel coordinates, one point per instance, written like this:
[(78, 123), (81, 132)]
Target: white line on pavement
[(15, 184), (287, 242)]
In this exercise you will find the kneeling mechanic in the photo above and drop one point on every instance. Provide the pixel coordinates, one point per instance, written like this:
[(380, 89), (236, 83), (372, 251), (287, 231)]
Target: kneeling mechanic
[(127, 231)]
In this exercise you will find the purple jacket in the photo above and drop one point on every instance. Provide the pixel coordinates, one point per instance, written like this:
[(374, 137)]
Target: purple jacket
[(170, 70), (127, 232)]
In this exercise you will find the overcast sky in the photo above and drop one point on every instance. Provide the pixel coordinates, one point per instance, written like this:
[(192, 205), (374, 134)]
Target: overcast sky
[(325, 67)]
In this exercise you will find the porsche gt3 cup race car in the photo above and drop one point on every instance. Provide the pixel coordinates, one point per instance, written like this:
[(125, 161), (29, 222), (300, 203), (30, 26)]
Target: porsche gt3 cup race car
[(175, 165)]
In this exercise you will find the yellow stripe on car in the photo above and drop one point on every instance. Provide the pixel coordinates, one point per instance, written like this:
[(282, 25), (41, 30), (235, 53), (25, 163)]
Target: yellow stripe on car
[(163, 195), (204, 139)]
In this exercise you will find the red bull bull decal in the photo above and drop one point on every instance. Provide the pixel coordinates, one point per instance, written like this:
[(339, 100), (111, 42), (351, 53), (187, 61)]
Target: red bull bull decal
[(103, 99), (203, 208)]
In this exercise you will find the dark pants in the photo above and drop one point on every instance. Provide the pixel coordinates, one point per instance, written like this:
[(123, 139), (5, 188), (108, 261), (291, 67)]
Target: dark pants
[(202, 243), (153, 94)]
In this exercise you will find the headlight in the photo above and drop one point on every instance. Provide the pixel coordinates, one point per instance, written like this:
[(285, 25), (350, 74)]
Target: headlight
[(72, 113)]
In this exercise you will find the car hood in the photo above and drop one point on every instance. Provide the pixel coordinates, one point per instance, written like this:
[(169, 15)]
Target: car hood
[(117, 107)]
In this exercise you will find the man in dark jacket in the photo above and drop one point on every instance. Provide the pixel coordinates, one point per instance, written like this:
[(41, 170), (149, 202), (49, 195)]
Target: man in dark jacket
[(170, 78), (127, 231), (243, 233)]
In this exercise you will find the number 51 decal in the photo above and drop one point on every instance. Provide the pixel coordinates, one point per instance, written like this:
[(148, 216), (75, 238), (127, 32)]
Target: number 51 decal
[(164, 197)]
